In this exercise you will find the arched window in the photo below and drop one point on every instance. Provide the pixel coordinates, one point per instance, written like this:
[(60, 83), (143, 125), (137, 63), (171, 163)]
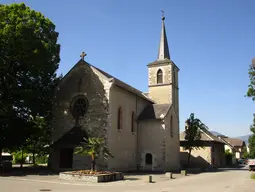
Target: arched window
[(171, 126), (119, 118), (79, 107), (159, 76), (148, 159), (133, 122)]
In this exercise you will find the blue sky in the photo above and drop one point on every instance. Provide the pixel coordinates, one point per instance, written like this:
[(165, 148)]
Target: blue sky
[(212, 42)]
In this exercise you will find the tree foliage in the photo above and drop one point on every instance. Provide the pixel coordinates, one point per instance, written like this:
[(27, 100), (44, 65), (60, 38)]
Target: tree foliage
[(228, 152), (251, 94), (94, 147), (251, 86), (251, 141), (246, 154), (193, 130), (29, 58), (37, 141)]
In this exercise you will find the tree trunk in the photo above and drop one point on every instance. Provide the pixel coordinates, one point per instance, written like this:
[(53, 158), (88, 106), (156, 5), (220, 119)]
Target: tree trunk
[(93, 163), (33, 157), (1, 168), (21, 163), (1, 153), (189, 157)]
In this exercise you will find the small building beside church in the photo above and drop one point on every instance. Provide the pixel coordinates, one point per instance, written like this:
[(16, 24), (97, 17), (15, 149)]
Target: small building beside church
[(140, 129), (210, 154), (235, 146)]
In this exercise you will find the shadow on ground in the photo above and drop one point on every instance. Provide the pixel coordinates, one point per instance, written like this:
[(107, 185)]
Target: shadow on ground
[(131, 179), (131, 176), (147, 173), (213, 170), (25, 171)]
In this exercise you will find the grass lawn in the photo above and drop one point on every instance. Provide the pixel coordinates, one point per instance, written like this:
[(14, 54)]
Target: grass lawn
[(253, 176)]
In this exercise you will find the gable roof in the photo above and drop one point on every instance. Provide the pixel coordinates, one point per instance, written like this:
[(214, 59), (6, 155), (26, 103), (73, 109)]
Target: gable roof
[(154, 111), (205, 136), (227, 143), (74, 136), (234, 142), (115, 81)]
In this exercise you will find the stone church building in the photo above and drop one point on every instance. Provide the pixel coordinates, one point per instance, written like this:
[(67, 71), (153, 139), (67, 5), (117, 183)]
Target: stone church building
[(140, 129)]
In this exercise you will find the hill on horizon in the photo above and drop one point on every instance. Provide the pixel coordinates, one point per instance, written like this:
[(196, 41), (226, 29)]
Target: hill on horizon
[(245, 138), (216, 133)]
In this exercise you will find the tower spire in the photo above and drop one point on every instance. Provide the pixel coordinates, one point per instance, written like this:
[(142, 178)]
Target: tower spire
[(163, 52)]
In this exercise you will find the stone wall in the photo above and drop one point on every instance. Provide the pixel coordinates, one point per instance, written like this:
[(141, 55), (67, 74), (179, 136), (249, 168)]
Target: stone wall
[(199, 157), (172, 141), (123, 143), (87, 81), (218, 155), (160, 93), (152, 141), (91, 178), (166, 69), (168, 91), (211, 155)]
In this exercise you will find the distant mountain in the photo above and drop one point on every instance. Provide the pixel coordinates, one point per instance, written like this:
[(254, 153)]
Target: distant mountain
[(216, 133), (245, 138)]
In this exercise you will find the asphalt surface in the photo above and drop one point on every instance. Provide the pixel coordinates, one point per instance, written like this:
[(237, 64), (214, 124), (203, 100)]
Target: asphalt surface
[(225, 180)]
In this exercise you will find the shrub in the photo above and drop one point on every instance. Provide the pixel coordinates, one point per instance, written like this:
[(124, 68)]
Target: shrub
[(42, 159), (17, 157), (253, 176)]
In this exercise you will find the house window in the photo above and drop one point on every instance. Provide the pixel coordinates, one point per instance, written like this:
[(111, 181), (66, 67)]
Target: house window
[(159, 76), (133, 122), (148, 159), (120, 118), (171, 126)]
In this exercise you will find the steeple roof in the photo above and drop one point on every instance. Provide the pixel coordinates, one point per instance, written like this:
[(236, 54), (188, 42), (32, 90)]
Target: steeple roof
[(163, 52)]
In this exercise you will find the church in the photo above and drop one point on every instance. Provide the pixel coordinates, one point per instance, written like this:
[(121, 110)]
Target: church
[(141, 130)]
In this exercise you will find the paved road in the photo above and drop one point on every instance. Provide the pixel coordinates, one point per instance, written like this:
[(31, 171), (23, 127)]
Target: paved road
[(225, 181)]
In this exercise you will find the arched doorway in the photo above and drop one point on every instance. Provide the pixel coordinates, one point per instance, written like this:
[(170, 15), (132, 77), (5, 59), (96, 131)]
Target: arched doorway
[(72, 138), (148, 161)]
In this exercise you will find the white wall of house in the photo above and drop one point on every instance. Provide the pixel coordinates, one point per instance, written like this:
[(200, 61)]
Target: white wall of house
[(228, 148), (238, 155)]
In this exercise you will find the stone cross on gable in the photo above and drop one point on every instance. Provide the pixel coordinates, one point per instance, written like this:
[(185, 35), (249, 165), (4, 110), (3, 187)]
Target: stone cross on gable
[(83, 55)]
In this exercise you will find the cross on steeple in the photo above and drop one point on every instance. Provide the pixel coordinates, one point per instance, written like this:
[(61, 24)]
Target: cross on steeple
[(83, 55), (163, 17), (163, 52)]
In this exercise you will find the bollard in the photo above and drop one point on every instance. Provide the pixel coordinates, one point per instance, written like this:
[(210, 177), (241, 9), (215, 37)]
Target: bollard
[(183, 172), (150, 179), (169, 175)]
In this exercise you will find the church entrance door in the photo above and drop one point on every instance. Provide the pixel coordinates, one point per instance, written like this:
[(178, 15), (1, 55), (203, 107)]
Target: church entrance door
[(66, 158), (148, 161)]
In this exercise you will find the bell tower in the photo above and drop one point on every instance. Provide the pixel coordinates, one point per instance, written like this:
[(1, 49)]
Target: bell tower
[(163, 75)]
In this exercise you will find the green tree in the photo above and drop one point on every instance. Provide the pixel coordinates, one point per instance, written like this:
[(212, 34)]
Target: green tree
[(246, 154), (251, 141), (38, 139), (193, 130), (29, 58), (251, 94), (94, 147)]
